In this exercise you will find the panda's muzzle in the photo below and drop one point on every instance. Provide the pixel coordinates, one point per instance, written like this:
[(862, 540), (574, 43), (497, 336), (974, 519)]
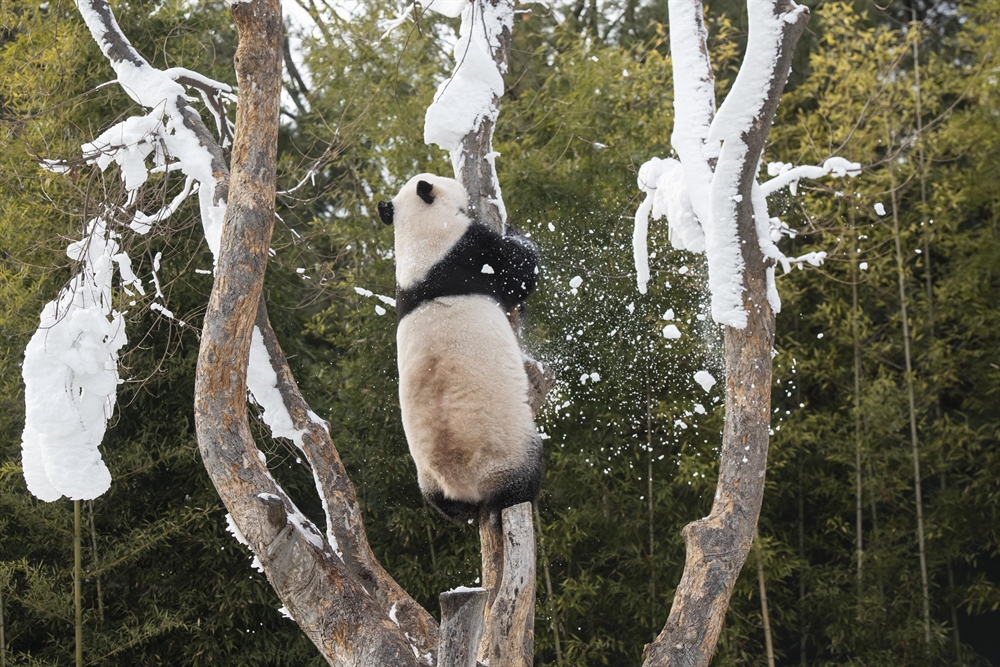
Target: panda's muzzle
[(385, 211)]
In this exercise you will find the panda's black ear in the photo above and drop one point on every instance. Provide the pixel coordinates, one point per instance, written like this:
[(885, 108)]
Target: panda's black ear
[(424, 191), (385, 211)]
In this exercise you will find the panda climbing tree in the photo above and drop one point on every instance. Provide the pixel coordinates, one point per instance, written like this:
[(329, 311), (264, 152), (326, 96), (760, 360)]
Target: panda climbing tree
[(463, 391)]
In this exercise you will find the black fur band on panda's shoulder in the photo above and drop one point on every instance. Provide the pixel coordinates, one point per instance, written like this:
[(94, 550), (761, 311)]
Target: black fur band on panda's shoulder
[(482, 262)]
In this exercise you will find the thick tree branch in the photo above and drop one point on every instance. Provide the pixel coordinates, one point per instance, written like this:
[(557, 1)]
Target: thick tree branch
[(717, 546), (318, 588), (340, 500)]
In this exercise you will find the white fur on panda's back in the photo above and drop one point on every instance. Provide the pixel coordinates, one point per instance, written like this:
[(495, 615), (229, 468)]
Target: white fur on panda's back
[(463, 395), (425, 232)]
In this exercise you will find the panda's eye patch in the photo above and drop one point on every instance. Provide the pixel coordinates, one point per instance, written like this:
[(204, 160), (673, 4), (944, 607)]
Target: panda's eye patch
[(424, 191)]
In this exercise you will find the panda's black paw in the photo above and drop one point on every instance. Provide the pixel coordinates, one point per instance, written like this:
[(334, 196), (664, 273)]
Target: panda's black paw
[(458, 511)]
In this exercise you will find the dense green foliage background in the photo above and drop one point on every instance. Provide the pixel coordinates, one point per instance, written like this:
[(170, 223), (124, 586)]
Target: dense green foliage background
[(631, 439)]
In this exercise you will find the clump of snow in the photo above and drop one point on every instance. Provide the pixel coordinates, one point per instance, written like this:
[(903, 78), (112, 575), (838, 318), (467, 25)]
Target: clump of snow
[(671, 331), (70, 376), (487, 269), (235, 530), (575, 282), (863, 266), (705, 379), (667, 196), (879, 208), (669, 315)]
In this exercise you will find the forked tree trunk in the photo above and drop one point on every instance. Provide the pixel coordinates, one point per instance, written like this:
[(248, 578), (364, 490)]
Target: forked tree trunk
[(338, 595), (717, 546)]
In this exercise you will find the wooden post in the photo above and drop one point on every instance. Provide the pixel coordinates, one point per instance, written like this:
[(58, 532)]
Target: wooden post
[(462, 626), (510, 621)]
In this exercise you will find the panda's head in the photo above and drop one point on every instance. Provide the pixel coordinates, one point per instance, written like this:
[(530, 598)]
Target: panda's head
[(429, 216)]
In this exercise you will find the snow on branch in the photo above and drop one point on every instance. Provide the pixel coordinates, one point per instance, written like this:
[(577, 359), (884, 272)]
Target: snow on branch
[(81, 326), (70, 373), (788, 175), (469, 96), (466, 105), (700, 193)]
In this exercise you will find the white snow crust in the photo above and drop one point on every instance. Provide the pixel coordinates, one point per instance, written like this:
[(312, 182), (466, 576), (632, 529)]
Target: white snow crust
[(472, 93), (70, 373), (699, 203)]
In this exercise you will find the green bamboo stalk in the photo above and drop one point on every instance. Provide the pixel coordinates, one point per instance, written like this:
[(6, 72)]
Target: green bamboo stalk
[(911, 397), (77, 581), (858, 499)]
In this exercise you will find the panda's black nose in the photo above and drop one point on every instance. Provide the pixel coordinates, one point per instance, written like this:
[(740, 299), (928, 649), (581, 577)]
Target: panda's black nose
[(385, 211)]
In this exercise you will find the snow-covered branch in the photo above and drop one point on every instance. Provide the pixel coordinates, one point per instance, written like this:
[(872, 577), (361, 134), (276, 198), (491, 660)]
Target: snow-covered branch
[(713, 203), (72, 357), (701, 193), (466, 105), (786, 175)]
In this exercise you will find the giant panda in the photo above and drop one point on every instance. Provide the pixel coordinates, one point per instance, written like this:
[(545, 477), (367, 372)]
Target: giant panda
[(463, 390)]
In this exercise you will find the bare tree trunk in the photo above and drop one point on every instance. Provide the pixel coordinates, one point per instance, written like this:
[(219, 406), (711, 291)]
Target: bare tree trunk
[(510, 616), (462, 626), (336, 611), (717, 546), (911, 399), (473, 162)]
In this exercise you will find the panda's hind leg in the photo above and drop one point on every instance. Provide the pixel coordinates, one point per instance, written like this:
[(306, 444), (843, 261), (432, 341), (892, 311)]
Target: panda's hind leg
[(520, 485), (459, 511)]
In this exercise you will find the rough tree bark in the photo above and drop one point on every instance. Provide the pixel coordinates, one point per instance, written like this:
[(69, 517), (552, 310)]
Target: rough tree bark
[(462, 626), (340, 601), (717, 546)]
